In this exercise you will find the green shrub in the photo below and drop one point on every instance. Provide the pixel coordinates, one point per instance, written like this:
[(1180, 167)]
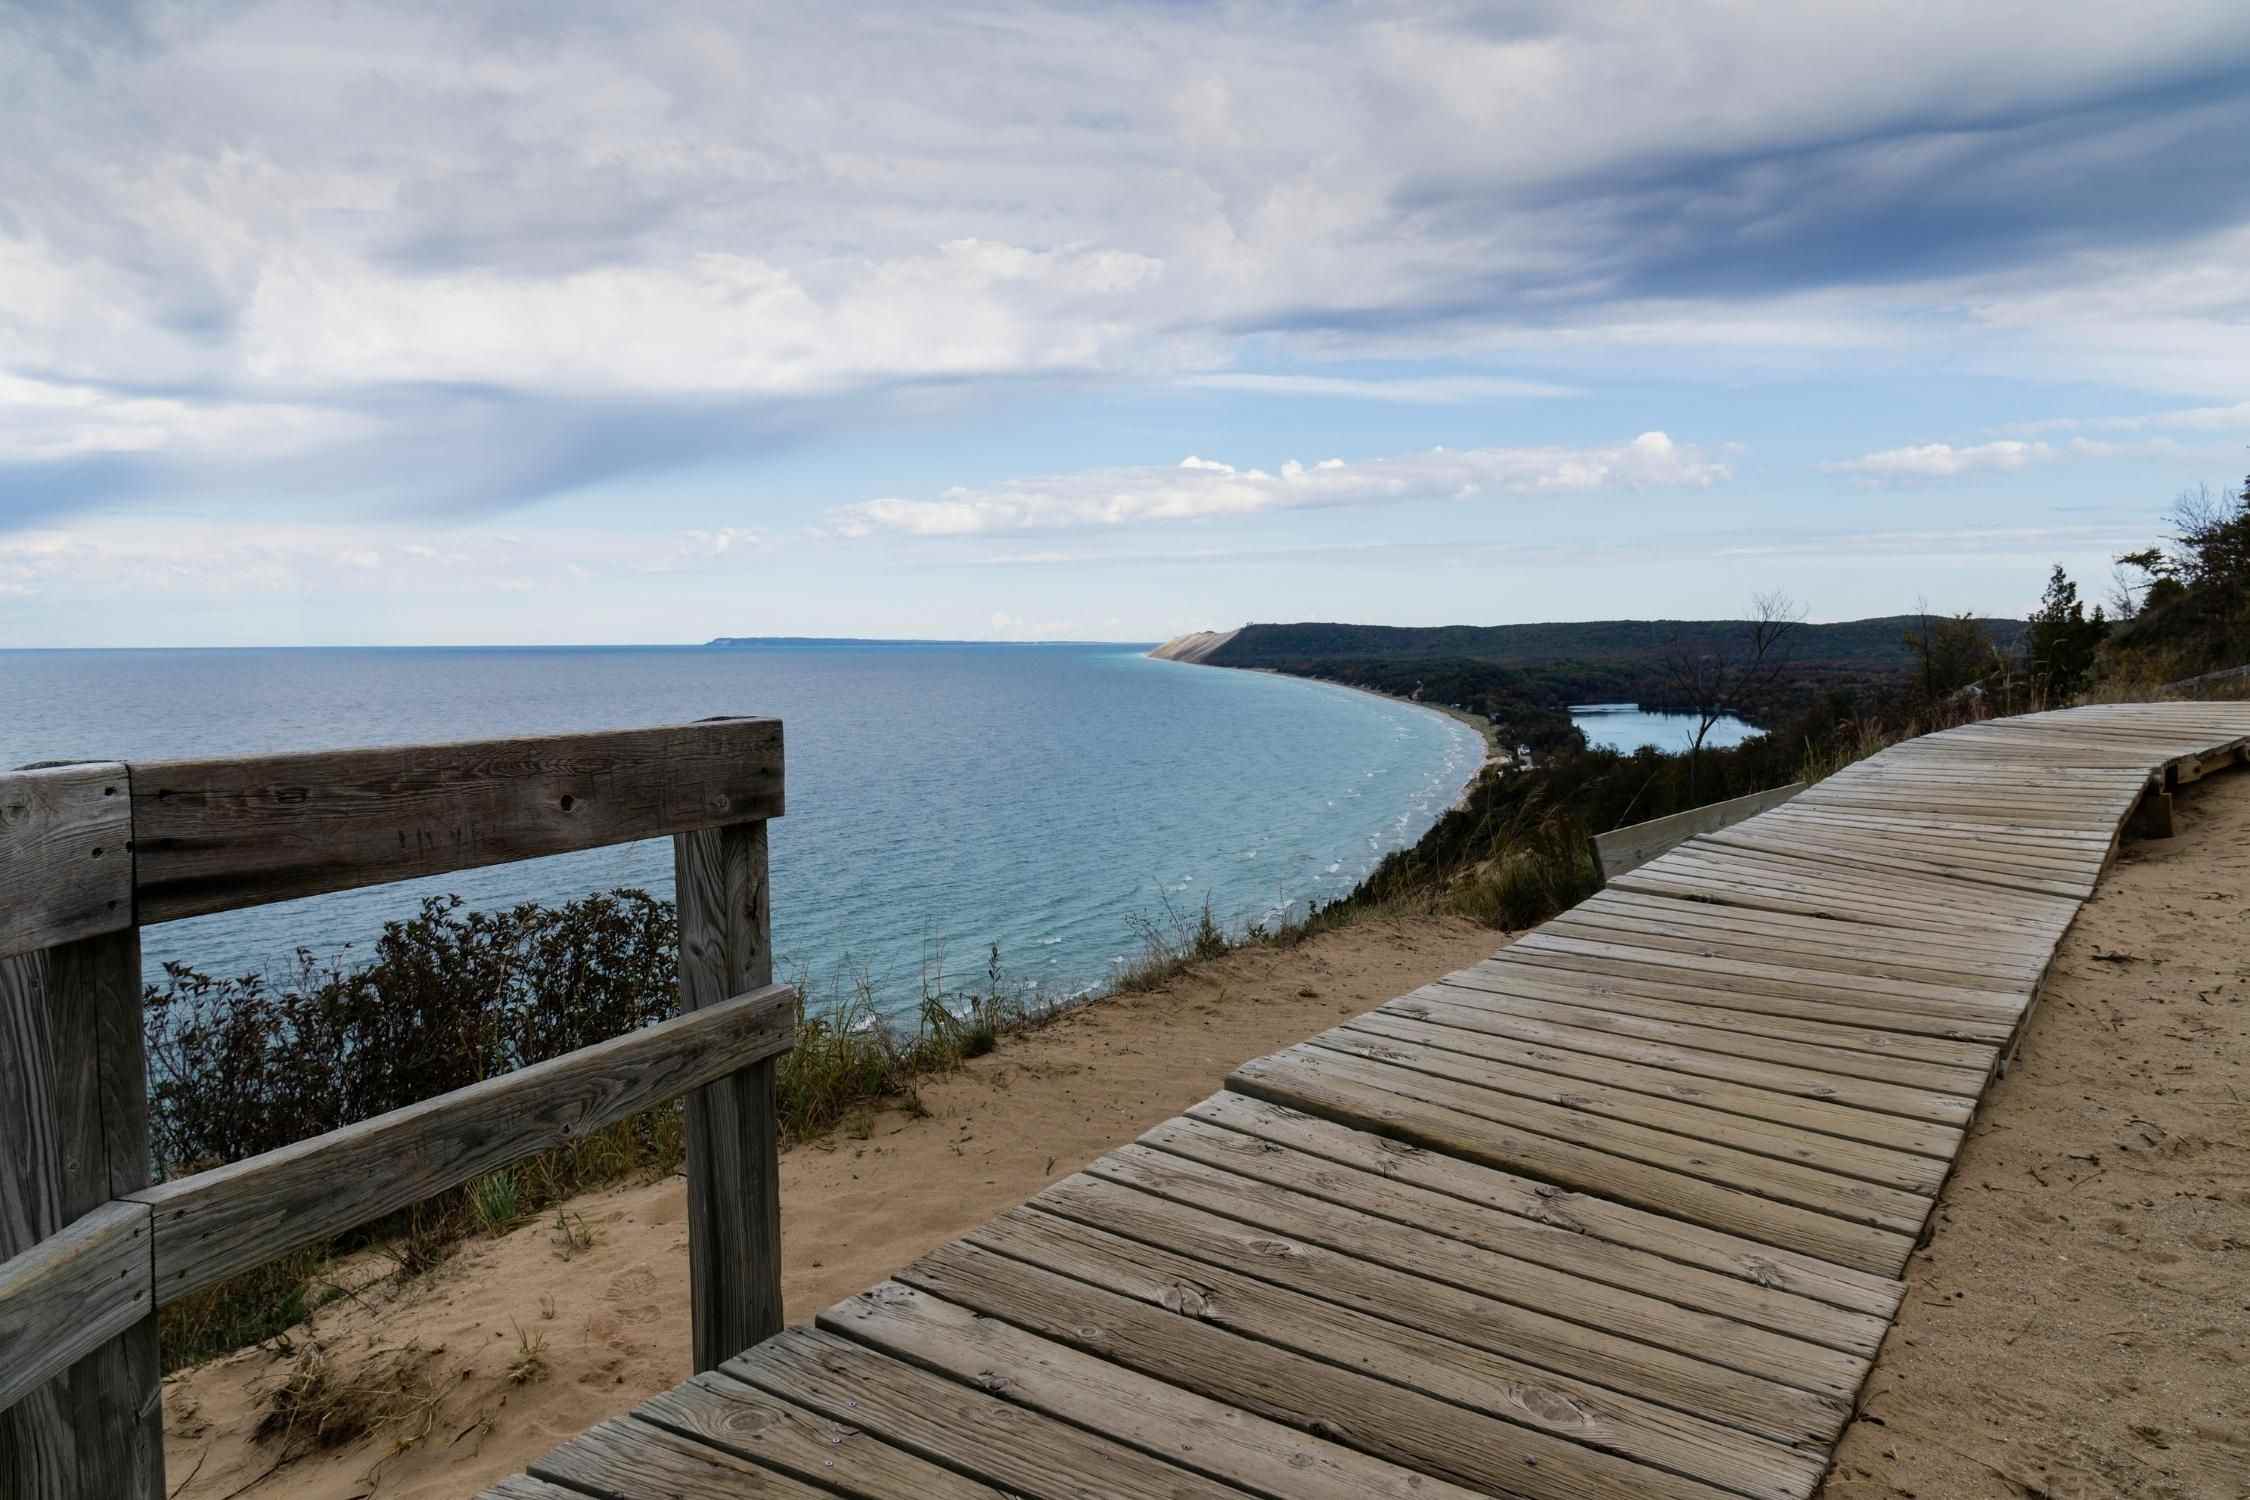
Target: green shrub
[(450, 997)]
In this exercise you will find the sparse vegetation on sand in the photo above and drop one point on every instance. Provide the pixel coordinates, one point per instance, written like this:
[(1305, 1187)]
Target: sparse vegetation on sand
[(249, 1064)]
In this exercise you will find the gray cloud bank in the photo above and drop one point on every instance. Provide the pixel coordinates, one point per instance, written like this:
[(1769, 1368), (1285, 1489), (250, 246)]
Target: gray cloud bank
[(457, 258)]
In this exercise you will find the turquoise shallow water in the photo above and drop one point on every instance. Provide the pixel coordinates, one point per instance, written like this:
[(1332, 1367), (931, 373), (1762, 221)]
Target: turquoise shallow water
[(941, 797)]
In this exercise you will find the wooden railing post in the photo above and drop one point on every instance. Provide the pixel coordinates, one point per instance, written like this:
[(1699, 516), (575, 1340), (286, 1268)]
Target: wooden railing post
[(74, 1115), (75, 1134), (733, 1133)]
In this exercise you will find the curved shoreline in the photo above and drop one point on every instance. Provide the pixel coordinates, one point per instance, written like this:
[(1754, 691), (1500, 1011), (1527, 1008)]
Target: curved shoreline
[(1489, 732)]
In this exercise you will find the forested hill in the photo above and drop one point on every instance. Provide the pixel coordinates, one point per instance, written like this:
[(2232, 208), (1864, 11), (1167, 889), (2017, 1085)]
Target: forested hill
[(1878, 644), (1527, 675)]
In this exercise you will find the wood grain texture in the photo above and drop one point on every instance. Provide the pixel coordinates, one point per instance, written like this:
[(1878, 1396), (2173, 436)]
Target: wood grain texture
[(960, 1426), (1188, 1429), (101, 1103), (1699, 1017), (1624, 849), (65, 869), (1272, 1133), (524, 1487), (214, 835), (1365, 1315), (1396, 1423), (214, 1224), (629, 1460), (1485, 1259), (1648, 975), (1598, 1048), (1806, 1132), (1336, 1095), (1520, 1220), (776, 1434), (38, 1459), (71, 1293), (1782, 1182), (733, 1123), (97, 1430)]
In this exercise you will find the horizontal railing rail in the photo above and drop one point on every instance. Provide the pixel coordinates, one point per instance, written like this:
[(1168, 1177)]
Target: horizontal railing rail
[(91, 852), (1631, 847)]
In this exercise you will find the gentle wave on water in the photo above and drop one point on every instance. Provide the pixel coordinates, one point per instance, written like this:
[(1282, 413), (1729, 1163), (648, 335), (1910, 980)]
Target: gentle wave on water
[(941, 798)]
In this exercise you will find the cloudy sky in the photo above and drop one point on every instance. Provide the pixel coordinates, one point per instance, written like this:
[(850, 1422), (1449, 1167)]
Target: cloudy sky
[(467, 322)]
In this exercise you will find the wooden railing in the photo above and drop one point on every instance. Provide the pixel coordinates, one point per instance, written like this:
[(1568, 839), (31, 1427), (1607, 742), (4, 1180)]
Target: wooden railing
[(1629, 848), (90, 853)]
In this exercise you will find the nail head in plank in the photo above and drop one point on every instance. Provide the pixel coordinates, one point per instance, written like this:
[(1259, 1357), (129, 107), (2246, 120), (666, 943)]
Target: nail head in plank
[(66, 862)]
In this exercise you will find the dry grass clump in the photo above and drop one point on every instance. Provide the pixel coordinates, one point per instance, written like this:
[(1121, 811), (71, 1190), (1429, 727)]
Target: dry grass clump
[(1544, 866), (1173, 942), (322, 1401), (529, 1366)]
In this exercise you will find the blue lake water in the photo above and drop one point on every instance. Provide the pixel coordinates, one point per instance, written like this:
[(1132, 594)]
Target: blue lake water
[(941, 797), (1623, 726)]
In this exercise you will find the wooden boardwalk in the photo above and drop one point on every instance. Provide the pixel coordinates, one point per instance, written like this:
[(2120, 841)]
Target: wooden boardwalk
[(1619, 1211)]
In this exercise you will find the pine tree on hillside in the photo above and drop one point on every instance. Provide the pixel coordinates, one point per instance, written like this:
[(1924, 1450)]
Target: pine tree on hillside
[(2062, 639)]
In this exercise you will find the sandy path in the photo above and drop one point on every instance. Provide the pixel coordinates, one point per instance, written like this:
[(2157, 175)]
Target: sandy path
[(2080, 1323), (613, 1316)]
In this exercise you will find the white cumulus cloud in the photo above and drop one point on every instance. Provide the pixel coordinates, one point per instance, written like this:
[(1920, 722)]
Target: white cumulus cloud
[(1943, 460), (1199, 488)]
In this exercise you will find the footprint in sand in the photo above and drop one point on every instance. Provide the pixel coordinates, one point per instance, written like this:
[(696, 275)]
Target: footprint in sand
[(630, 1290)]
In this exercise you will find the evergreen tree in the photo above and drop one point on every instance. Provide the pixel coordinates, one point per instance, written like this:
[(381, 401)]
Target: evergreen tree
[(2062, 639)]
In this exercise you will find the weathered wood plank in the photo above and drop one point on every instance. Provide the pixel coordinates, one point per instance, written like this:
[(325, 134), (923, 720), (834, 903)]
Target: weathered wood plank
[(1803, 1101), (959, 1426), (65, 867), (1996, 952), (1330, 1092), (1842, 956), (1530, 1230), (1573, 998), (70, 1294), (1623, 849), (215, 1224), (1169, 1195), (1916, 999), (117, 1390), (524, 1487), (213, 835), (1396, 1423), (1410, 1331), (71, 1073), (1697, 1118), (1167, 1421), (1727, 889), (1895, 1209), (1569, 1049), (733, 1122), (1728, 986), (750, 1424), (1885, 859), (627, 1460), (1999, 964), (38, 1459), (1270, 1133), (1868, 895)]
